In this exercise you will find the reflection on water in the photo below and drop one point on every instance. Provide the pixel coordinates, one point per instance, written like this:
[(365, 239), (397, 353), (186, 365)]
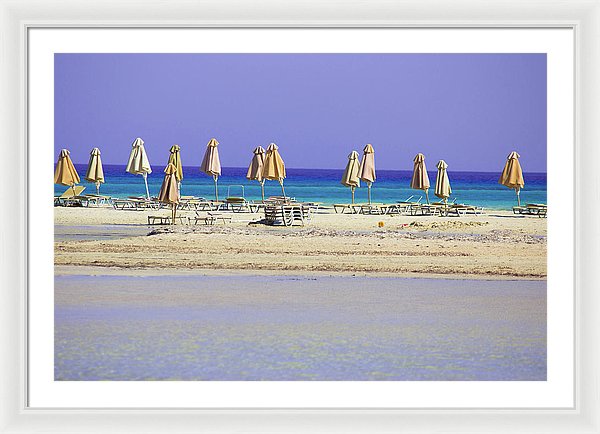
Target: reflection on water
[(291, 328)]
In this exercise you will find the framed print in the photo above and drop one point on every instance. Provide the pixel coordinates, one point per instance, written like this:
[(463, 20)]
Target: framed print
[(300, 219)]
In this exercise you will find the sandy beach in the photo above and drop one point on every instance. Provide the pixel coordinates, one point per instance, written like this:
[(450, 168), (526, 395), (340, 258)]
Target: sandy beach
[(495, 245)]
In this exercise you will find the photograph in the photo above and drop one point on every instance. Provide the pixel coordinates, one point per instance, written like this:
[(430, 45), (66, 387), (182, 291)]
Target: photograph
[(300, 216)]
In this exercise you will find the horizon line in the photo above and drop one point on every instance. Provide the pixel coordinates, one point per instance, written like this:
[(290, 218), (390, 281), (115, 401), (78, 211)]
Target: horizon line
[(337, 168)]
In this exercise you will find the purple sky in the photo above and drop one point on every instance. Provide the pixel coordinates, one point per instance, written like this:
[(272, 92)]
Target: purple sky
[(468, 109)]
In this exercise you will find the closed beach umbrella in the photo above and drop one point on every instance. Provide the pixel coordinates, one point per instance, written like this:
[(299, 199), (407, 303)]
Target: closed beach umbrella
[(95, 172), (442, 183), (255, 170), (350, 177), (211, 165), (274, 167), (138, 163), (512, 175), (420, 179), (175, 160), (169, 193), (366, 171), (65, 173)]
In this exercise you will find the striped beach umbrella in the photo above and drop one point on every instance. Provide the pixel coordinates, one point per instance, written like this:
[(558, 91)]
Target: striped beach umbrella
[(350, 177), (255, 170), (138, 163), (512, 175), (420, 179), (211, 165), (95, 172), (366, 171)]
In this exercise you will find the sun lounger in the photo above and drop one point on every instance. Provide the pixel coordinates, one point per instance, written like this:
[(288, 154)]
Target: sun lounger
[(342, 207), (196, 204), (69, 193), (287, 214), (256, 206), (372, 208), (426, 209), (209, 219), (166, 219), (463, 209), (237, 204), (133, 203), (536, 209), (404, 207), (280, 200), (97, 199)]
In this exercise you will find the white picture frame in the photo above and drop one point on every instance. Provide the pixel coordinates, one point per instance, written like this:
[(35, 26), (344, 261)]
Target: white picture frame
[(15, 20)]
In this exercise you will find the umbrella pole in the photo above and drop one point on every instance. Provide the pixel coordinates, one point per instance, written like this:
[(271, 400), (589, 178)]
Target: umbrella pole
[(369, 189), (262, 189), (173, 210), (145, 175), (98, 188), (427, 195), (352, 189), (282, 189), (215, 177), (518, 190)]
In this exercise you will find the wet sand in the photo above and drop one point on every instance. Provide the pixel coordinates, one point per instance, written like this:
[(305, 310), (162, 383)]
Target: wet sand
[(497, 245), (257, 327)]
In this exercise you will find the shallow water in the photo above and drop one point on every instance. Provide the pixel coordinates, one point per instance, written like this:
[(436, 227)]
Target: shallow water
[(98, 232), (298, 328)]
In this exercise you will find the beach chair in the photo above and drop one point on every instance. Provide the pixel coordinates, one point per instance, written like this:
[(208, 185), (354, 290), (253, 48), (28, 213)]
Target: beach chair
[(256, 206), (134, 203), (535, 209), (463, 209), (424, 209), (237, 204), (166, 219), (210, 218), (97, 199), (406, 206), (287, 214), (69, 193), (372, 208), (342, 207)]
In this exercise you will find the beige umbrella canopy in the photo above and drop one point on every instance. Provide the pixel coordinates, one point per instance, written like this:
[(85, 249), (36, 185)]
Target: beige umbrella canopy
[(255, 170), (169, 193), (175, 160), (350, 177), (366, 172), (65, 173), (95, 172), (138, 163), (420, 179), (274, 167), (211, 165), (512, 175), (442, 183)]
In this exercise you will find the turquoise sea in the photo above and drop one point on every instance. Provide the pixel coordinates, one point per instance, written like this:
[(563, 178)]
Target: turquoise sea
[(323, 185)]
